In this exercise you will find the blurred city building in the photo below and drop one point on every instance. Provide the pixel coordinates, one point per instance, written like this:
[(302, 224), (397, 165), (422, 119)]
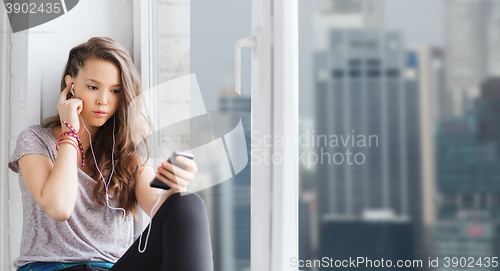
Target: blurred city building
[(307, 226), (231, 203), (472, 32), (345, 14), (374, 240), (468, 166), (462, 241), (435, 105), (369, 83), (364, 89), (367, 86), (432, 81)]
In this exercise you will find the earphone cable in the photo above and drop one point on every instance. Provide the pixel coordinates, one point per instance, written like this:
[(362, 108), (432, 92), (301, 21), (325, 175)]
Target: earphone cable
[(106, 184)]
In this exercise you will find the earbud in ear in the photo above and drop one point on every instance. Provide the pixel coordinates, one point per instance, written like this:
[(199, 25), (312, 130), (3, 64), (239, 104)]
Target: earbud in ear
[(72, 90)]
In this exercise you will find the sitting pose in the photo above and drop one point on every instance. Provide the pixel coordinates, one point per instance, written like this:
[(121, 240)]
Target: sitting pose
[(82, 179)]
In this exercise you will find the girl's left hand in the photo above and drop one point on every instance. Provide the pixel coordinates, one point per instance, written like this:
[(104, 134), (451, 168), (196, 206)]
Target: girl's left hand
[(176, 177)]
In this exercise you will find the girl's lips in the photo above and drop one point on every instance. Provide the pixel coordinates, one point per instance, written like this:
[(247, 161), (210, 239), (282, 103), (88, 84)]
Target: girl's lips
[(100, 115)]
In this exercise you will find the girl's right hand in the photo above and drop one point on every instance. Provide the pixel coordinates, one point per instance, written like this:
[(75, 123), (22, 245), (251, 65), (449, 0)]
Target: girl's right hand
[(69, 110)]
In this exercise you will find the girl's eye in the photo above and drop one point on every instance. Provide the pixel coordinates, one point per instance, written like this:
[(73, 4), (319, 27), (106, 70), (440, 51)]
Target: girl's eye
[(91, 87), (116, 91)]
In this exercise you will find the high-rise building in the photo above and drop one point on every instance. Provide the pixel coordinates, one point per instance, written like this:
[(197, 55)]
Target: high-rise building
[(472, 31), (367, 89), (231, 203), (434, 106), (468, 166), (306, 213), (432, 81), (346, 14), (460, 240), (372, 241), (468, 161)]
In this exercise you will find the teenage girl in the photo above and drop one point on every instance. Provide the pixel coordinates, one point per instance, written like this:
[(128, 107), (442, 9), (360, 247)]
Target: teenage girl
[(82, 179)]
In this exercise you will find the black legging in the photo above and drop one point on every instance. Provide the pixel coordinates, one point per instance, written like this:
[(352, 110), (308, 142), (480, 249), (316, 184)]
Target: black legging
[(179, 239)]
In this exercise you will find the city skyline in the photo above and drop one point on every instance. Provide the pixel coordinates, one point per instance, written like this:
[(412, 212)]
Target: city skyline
[(216, 46)]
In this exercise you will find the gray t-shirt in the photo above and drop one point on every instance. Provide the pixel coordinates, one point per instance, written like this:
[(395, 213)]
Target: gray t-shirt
[(91, 233)]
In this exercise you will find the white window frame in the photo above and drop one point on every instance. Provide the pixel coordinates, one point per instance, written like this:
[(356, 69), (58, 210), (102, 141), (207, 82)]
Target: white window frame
[(275, 108), (285, 224), (142, 15), (5, 47)]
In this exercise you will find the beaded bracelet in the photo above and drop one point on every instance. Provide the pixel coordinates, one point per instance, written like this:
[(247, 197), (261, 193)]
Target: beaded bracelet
[(77, 138), (70, 142), (68, 137), (71, 127), (70, 134), (74, 134)]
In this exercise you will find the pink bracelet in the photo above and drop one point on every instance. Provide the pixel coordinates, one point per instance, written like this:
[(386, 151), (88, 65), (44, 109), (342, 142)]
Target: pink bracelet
[(75, 144), (70, 142), (69, 138), (74, 134), (70, 134), (71, 128)]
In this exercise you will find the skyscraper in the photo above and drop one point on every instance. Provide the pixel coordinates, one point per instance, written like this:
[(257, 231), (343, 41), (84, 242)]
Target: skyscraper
[(367, 87), (468, 159), (434, 106), (432, 80), (346, 14), (364, 90), (472, 31), (231, 207), (468, 166)]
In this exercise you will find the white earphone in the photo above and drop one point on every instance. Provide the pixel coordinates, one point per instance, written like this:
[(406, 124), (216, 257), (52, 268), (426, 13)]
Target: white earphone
[(106, 185)]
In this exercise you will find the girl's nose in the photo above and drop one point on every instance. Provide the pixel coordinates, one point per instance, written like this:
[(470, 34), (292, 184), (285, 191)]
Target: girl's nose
[(102, 99)]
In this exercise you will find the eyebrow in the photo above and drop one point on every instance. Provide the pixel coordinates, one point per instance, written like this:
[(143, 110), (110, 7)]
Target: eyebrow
[(117, 85)]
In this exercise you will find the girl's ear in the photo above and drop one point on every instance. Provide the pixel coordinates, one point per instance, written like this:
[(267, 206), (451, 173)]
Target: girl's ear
[(68, 80)]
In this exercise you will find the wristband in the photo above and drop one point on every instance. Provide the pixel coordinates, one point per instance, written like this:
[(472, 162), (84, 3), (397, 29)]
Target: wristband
[(74, 134), (77, 138), (71, 128), (66, 137), (70, 142), (68, 133)]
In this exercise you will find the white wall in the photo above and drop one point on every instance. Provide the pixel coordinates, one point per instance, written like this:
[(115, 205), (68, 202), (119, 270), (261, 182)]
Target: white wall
[(33, 66), (5, 51)]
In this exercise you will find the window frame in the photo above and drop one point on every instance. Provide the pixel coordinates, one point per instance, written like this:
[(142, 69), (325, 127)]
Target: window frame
[(274, 84), (274, 222), (5, 51), (142, 15)]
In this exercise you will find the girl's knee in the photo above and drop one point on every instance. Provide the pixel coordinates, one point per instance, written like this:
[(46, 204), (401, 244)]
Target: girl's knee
[(187, 198), (186, 203)]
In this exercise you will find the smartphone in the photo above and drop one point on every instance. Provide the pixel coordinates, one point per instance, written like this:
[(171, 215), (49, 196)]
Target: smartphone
[(159, 184)]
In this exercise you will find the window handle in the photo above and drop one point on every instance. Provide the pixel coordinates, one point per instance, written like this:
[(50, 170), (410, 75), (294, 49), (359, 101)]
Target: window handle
[(247, 42)]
